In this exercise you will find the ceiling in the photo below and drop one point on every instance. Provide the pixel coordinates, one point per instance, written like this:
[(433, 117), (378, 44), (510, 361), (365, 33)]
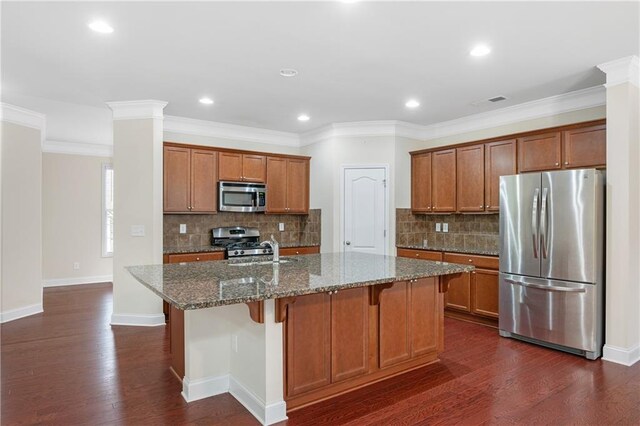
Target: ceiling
[(356, 62)]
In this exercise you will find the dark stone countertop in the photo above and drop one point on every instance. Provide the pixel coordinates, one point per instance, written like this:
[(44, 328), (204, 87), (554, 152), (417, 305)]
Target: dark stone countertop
[(206, 249), (226, 282), (453, 249)]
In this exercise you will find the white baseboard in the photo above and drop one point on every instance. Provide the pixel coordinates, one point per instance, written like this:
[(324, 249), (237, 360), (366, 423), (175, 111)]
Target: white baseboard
[(57, 282), (266, 414), (622, 356), (143, 320), (15, 314), (204, 388)]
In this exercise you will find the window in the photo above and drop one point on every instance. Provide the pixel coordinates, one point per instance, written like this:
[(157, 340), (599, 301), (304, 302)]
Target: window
[(107, 210)]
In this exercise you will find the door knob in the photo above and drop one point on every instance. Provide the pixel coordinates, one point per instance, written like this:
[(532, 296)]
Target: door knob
[(348, 243)]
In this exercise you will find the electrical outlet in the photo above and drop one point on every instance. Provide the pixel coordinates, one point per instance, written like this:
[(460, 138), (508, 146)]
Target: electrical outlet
[(137, 230), (234, 343), (76, 265), (183, 228), (281, 226), (438, 227), (445, 227)]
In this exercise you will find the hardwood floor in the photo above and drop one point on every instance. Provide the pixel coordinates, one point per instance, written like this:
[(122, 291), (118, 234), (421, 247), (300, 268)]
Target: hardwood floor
[(69, 366)]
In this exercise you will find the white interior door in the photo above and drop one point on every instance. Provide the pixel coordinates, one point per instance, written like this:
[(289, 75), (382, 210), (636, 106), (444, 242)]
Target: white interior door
[(365, 210)]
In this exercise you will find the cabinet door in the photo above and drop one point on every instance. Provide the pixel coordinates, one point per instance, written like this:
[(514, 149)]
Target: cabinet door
[(349, 333), (308, 340), (484, 285), (586, 147), (297, 186), (470, 178), (254, 168), (420, 254), (421, 182), (394, 325), (230, 166), (539, 152), (177, 173), (424, 317), (459, 294), (203, 181), (500, 160), (195, 257), (298, 251), (443, 181), (276, 185)]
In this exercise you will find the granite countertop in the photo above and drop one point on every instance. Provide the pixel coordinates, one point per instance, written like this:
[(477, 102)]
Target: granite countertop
[(206, 284), (206, 249), (453, 249)]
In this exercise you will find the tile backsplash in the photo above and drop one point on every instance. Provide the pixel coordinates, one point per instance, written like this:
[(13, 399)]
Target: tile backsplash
[(299, 229), (466, 231)]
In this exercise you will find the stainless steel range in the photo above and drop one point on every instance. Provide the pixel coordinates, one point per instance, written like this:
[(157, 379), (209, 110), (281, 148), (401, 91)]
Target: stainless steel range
[(239, 241)]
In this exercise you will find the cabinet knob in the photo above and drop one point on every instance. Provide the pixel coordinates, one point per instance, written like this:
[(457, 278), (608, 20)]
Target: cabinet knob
[(557, 164), (417, 254), (471, 260), (474, 272), (487, 206), (566, 163), (297, 252), (197, 258), (480, 206)]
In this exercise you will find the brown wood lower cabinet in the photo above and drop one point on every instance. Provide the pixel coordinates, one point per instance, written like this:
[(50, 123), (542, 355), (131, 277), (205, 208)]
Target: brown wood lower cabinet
[(294, 251), (342, 341)]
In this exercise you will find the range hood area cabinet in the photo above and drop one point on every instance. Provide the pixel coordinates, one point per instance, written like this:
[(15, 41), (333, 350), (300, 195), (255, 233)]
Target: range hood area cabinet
[(189, 180), (465, 178), (191, 176), (287, 185)]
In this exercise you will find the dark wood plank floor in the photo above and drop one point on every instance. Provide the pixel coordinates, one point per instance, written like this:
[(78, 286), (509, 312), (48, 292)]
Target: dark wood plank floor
[(69, 366)]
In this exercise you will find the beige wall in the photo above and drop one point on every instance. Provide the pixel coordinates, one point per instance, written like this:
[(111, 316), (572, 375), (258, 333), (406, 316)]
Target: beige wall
[(72, 220), (21, 221), (229, 143)]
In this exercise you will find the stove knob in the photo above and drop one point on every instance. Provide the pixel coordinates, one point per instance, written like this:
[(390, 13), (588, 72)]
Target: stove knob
[(241, 251), (235, 252), (264, 250)]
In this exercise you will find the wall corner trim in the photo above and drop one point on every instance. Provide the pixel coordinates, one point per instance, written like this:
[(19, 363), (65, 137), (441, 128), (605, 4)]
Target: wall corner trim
[(623, 70), (140, 320), (193, 390), (22, 116), (137, 110), (620, 355), (18, 313), (77, 148)]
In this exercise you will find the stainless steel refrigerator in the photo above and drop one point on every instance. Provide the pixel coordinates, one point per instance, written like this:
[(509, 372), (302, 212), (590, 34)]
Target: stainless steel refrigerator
[(552, 259)]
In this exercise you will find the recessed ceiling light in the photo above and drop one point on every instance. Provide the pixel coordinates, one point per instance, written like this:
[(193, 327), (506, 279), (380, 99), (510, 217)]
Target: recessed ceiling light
[(412, 104), (480, 50), (288, 72), (206, 101), (101, 27), (303, 117)]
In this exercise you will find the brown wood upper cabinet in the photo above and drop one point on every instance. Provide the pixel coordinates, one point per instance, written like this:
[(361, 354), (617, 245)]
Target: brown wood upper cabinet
[(470, 178), (540, 152), (499, 160), (287, 185), (585, 147), (189, 180), (234, 166), (443, 181), (421, 183)]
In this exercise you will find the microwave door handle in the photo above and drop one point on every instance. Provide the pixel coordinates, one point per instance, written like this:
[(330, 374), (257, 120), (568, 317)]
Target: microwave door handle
[(534, 222), (543, 223)]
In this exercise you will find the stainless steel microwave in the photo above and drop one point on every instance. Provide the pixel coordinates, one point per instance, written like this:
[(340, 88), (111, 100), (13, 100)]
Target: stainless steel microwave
[(242, 197)]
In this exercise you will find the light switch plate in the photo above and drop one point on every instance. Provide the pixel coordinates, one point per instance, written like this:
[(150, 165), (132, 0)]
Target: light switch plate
[(445, 227), (137, 230), (438, 227), (281, 226), (183, 228)]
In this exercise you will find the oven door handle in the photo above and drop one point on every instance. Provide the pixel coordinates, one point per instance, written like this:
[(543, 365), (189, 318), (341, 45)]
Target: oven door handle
[(546, 287)]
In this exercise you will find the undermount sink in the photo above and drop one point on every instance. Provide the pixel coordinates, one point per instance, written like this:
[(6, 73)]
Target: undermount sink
[(263, 262)]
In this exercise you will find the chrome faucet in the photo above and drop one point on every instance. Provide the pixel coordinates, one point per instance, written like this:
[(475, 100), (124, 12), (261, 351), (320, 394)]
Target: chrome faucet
[(275, 247)]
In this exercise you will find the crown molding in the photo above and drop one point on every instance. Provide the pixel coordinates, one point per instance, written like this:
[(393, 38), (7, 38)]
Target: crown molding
[(191, 126), (136, 110), (623, 70), (21, 116), (362, 129), (77, 148), (553, 105)]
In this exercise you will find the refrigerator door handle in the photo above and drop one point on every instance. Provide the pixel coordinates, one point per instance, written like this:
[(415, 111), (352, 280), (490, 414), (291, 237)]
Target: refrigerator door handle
[(546, 287), (543, 223), (534, 222)]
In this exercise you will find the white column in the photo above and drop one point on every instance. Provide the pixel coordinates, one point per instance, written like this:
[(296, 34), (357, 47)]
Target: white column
[(137, 166), (622, 332)]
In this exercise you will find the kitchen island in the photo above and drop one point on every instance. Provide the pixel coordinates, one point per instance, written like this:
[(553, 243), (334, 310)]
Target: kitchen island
[(317, 325)]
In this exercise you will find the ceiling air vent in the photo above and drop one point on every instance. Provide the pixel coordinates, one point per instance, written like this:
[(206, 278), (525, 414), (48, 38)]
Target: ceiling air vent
[(497, 99)]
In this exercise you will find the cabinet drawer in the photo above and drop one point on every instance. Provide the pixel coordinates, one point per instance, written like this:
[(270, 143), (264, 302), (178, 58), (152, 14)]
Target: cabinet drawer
[(195, 257), (420, 254), (487, 262), (293, 251)]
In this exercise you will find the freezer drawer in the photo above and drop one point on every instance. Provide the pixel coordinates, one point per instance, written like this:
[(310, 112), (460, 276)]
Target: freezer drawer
[(556, 312)]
